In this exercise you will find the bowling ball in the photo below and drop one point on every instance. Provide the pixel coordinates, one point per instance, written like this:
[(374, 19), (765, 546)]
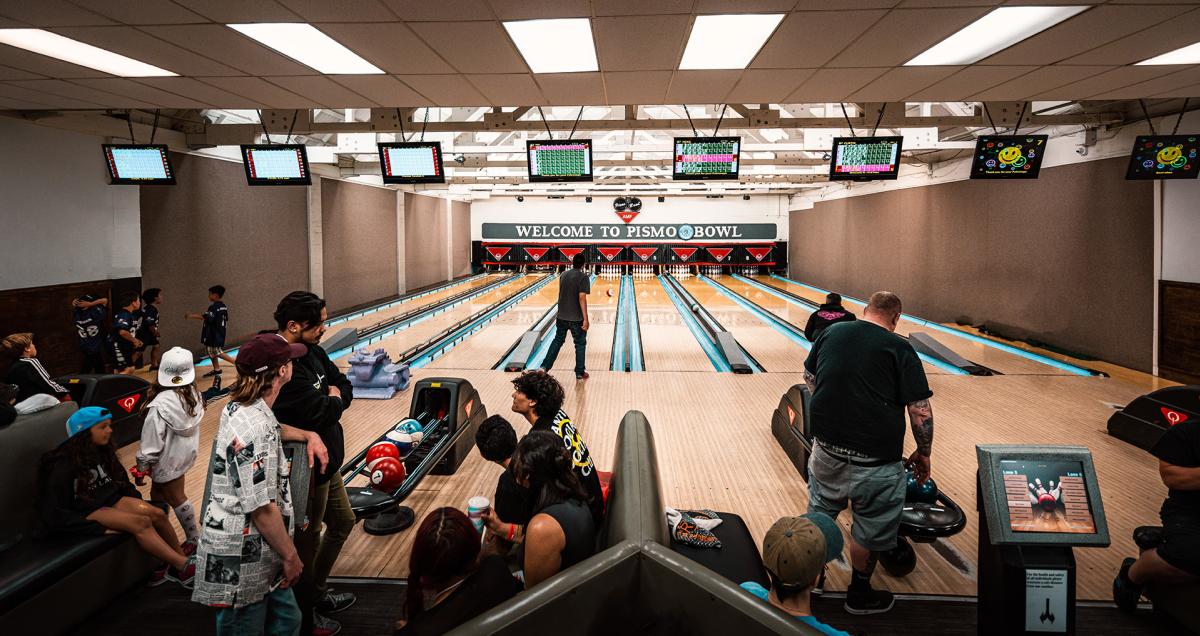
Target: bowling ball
[(928, 492), (417, 437), (900, 560), (387, 473), (609, 292), (912, 490), (382, 449), (1047, 502), (403, 442), (409, 425)]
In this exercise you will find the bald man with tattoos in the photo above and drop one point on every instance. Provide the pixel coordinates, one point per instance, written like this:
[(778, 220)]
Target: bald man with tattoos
[(863, 377)]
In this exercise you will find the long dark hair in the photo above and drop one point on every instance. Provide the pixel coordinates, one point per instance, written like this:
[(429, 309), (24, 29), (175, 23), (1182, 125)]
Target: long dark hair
[(81, 454), (189, 395), (542, 459), (446, 546)]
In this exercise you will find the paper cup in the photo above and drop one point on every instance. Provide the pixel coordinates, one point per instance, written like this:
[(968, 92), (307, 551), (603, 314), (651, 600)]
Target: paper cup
[(476, 506)]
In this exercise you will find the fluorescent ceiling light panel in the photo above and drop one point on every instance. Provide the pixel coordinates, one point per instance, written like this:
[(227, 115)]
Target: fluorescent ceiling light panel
[(1186, 55), (305, 44), (727, 41), (996, 31), (76, 52), (555, 46)]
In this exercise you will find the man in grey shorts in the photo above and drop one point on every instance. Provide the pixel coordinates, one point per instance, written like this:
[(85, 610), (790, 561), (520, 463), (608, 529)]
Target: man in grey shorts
[(863, 377)]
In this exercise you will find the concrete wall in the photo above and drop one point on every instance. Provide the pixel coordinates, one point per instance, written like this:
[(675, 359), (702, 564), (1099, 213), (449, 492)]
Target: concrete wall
[(426, 235), (359, 243)]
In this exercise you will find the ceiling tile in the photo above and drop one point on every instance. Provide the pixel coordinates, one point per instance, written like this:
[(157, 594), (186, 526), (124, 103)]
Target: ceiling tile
[(644, 43), (389, 45), (141, 12), (42, 65), (264, 94), (641, 7), (201, 91), (48, 100), (969, 81), (743, 6), (144, 47), (340, 10), (694, 87), (540, 9), (812, 38), (1044, 2), (10, 73), (472, 47), (440, 11), (768, 85), (1145, 44), (903, 33), (20, 104), (323, 90), (1087, 30), (1037, 82), (238, 11), (1178, 83), (384, 90), (1184, 91), (508, 89), (148, 94), (900, 82), (444, 90), (83, 93), (571, 89), (919, 4), (833, 85), (231, 48), (637, 87), (843, 5), (51, 13), (1105, 82)]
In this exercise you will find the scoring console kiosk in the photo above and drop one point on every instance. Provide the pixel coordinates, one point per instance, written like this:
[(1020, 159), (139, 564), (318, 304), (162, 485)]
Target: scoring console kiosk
[(1035, 504)]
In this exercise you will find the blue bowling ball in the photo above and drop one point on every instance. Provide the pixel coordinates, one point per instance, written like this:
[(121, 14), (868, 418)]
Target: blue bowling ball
[(409, 425), (920, 493)]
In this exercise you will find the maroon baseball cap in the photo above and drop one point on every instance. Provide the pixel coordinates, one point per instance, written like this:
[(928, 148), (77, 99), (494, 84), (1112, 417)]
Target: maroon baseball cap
[(265, 351)]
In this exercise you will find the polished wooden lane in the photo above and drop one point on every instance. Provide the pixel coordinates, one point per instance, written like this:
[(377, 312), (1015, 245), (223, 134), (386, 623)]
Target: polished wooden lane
[(602, 316), (991, 357), (773, 350), (375, 317), (483, 349), (667, 345)]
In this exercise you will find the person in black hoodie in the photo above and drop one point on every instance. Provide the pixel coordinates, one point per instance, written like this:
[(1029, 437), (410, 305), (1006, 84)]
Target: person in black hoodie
[(314, 400), (830, 312)]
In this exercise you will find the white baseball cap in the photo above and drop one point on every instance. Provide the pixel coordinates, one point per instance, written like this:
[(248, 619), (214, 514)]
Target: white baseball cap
[(176, 368)]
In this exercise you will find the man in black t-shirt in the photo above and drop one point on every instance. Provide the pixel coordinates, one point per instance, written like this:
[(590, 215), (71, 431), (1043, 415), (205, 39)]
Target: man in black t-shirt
[(573, 288), (831, 312), (1177, 558), (863, 377), (497, 441)]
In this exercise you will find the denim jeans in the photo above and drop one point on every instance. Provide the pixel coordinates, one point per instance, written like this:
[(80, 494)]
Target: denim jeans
[(275, 615), (561, 327)]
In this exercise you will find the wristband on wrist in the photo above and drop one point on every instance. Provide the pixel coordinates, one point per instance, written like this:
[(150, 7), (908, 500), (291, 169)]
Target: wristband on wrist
[(512, 531)]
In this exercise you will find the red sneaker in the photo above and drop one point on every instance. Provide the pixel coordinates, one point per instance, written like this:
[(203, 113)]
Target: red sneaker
[(582, 376), (185, 576), (158, 577)]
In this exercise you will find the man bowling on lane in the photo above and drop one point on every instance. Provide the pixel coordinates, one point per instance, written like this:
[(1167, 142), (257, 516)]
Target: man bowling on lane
[(830, 312), (573, 287)]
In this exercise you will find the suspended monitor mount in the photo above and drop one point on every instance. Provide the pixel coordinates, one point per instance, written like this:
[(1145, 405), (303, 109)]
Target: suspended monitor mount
[(412, 162), (276, 164), (865, 158), (138, 164)]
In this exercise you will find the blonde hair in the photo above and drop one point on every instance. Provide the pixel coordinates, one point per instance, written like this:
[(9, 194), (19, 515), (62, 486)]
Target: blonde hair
[(14, 345), (252, 386)]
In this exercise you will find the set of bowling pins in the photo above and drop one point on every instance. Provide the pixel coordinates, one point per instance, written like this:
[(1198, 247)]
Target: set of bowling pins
[(679, 271), (711, 270), (610, 271), (642, 271)]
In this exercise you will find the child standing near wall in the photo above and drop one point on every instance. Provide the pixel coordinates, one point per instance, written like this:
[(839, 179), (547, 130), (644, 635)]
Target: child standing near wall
[(89, 316), (212, 334), (123, 340), (148, 333)]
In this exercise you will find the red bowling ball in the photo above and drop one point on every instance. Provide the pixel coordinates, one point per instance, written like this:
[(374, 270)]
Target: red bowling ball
[(1047, 502), (380, 450), (387, 473)]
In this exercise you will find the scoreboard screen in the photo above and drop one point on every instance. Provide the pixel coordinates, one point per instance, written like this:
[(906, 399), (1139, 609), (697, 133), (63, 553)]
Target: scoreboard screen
[(276, 164), (707, 158), (1164, 157), (865, 158), (566, 160), (138, 164), (1008, 156), (412, 162)]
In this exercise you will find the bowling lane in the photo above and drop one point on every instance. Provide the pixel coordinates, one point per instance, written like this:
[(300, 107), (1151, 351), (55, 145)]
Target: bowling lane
[(602, 316), (483, 349), (773, 350), (374, 317), (667, 344), (977, 352), (406, 338)]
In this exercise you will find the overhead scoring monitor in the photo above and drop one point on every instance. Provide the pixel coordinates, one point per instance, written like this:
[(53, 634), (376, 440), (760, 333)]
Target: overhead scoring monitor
[(1008, 156), (707, 158), (565, 160), (138, 164), (412, 162), (1164, 157), (276, 164), (865, 158)]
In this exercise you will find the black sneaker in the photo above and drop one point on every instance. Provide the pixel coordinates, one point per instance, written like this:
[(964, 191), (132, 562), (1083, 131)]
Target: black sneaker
[(869, 602), (1126, 593), (211, 374), (334, 602)]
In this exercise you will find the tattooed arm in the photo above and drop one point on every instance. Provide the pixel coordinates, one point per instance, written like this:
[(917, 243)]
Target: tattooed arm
[(920, 414), (811, 381)]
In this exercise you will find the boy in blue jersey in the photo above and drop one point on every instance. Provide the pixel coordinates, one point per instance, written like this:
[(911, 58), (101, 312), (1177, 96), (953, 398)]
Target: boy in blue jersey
[(795, 552), (122, 341), (89, 317), (149, 334), (212, 334)]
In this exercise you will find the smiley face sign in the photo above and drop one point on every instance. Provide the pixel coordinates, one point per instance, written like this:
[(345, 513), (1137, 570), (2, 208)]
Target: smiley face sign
[(1008, 156), (1165, 157)]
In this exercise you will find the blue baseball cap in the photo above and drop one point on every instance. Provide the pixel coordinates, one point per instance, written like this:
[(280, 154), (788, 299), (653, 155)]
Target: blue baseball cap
[(85, 418)]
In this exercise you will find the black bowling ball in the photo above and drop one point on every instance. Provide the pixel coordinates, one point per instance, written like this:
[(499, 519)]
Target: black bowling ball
[(900, 560)]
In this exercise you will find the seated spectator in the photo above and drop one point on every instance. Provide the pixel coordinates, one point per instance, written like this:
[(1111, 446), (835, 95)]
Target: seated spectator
[(84, 490), (830, 312), (8, 400), (27, 371), (562, 532), (1176, 559), (497, 441), (539, 398), (448, 582), (795, 552)]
